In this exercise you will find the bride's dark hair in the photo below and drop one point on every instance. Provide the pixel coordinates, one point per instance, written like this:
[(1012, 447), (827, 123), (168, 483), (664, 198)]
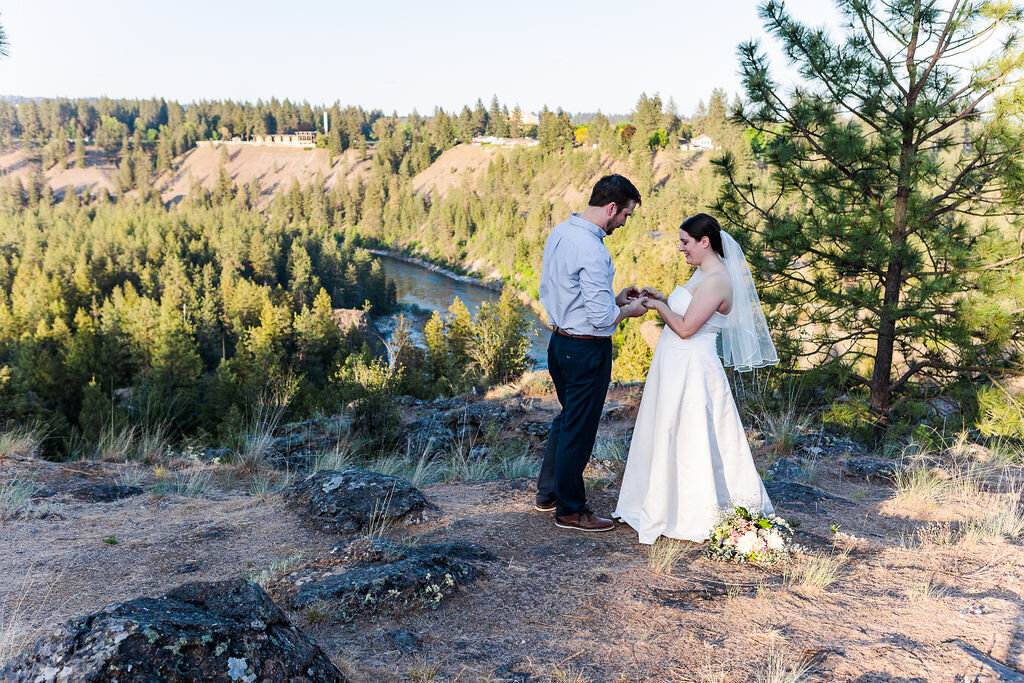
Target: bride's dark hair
[(702, 225)]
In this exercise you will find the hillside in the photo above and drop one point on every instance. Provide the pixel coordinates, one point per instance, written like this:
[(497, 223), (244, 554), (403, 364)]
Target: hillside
[(277, 167), (98, 174), (895, 582)]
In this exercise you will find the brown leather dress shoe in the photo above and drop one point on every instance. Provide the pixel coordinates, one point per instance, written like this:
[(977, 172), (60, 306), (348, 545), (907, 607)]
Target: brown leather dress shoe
[(545, 507), (584, 521)]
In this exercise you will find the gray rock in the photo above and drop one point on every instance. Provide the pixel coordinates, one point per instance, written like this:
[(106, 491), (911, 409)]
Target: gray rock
[(364, 575), (347, 502), (105, 493), (478, 415), (405, 641), (223, 631), (537, 429), (427, 436), (786, 469), (822, 444), (624, 411), (793, 494), (867, 468)]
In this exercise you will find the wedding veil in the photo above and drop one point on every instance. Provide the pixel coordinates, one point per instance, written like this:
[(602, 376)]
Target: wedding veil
[(745, 343)]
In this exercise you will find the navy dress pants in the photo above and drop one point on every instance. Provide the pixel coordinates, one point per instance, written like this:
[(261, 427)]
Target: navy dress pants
[(581, 370)]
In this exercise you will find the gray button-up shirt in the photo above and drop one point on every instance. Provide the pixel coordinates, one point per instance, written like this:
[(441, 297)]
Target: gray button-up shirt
[(576, 279)]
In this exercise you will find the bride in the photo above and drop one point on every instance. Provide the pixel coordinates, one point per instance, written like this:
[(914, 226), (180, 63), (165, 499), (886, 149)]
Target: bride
[(689, 459)]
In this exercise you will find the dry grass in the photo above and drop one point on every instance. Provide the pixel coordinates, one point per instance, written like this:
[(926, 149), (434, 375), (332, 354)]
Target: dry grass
[(778, 666), (663, 554), (781, 427), (264, 420), (1004, 518), (551, 594), (921, 590), (339, 459), (610, 449), (191, 482), (15, 497), (275, 571), (22, 610), (423, 672), (817, 573), (24, 441)]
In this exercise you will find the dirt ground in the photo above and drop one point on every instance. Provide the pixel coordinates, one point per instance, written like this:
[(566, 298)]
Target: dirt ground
[(911, 600)]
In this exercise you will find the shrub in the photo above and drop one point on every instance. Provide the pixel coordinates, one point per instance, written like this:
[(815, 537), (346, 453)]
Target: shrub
[(375, 414), (632, 354), (501, 341)]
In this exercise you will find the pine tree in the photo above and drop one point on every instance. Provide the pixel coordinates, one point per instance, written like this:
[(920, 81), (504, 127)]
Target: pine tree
[(863, 235)]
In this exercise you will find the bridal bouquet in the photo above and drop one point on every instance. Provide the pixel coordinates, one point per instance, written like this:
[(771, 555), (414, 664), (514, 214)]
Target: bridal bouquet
[(744, 536)]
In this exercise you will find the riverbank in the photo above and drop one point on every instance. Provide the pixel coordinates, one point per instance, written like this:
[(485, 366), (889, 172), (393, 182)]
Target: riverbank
[(493, 285), (426, 289)]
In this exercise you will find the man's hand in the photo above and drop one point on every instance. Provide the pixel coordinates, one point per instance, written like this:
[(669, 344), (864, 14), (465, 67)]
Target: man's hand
[(626, 295), (634, 309)]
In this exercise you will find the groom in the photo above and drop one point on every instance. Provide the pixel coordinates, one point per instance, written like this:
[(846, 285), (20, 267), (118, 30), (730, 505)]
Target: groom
[(576, 291)]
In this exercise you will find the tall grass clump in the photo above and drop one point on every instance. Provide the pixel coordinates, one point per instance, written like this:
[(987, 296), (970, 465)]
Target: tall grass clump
[(818, 572), (21, 440), (780, 667), (1003, 519), (917, 479), (663, 554), (15, 496), (265, 418)]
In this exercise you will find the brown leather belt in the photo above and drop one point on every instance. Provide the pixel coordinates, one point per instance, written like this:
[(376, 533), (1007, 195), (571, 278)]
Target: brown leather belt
[(562, 332)]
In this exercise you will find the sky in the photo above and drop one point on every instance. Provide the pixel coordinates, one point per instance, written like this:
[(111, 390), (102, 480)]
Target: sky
[(395, 56)]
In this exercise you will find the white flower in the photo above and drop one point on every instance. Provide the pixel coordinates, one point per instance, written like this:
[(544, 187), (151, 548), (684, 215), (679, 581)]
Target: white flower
[(775, 540), (747, 543)]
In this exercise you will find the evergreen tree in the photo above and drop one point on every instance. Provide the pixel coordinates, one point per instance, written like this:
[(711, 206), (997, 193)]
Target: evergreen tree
[(863, 237)]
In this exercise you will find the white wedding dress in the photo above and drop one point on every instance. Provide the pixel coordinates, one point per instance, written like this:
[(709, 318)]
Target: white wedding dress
[(689, 459)]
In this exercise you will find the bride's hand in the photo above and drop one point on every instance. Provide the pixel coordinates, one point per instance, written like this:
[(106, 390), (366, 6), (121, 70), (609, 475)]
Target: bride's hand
[(652, 293)]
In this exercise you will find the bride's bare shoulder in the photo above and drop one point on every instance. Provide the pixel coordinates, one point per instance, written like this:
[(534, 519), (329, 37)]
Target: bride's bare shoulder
[(718, 280)]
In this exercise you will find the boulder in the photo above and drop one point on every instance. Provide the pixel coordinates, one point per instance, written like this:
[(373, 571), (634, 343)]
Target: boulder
[(824, 445), (223, 631), (354, 500), (793, 494), (624, 411), (535, 429), (365, 574), (868, 468), (479, 415), (427, 436), (405, 641), (786, 469), (347, 318)]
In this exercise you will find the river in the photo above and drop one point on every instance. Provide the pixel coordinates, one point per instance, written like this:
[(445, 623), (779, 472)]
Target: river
[(433, 291)]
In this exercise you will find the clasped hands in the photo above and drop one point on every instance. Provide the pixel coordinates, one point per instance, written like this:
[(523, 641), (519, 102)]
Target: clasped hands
[(638, 301)]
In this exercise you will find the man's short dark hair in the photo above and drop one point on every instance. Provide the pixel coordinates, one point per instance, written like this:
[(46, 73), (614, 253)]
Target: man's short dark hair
[(614, 188)]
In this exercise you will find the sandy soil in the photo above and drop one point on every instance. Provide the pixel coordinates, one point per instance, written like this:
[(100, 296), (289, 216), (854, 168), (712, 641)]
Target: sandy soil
[(911, 602), (276, 167), (468, 163), (97, 175)]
